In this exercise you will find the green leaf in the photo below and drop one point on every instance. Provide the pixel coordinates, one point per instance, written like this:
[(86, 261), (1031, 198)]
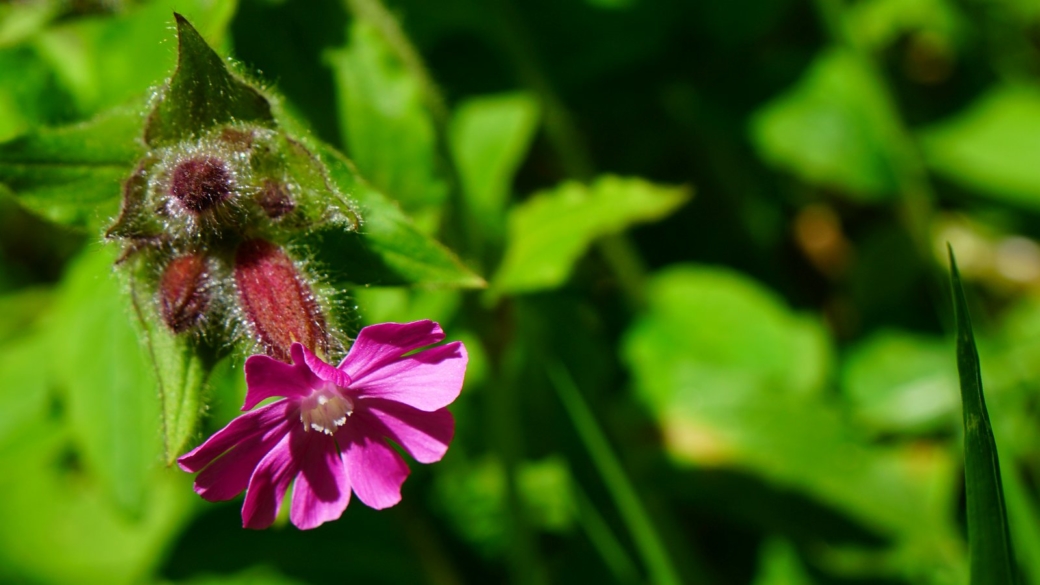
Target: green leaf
[(387, 129), (72, 175), (181, 368), (110, 386), (104, 62), (901, 382), (876, 24), (388, 249), (202, 94), (50, 505), (779, 565), (832, 129), (989, 147), (736, 380), (490, 136), (549, 232), (989, 540)]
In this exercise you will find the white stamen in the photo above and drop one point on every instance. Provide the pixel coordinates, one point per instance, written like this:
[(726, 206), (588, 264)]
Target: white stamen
[(325, 410)]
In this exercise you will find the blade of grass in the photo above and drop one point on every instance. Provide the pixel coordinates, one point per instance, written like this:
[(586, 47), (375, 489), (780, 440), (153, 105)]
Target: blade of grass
[(651, 546), (989, 540)]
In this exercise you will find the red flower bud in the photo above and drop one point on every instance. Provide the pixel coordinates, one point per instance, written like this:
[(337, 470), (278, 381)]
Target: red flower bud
[(274, 199), (183, 296), (200, 183), (277, 302)]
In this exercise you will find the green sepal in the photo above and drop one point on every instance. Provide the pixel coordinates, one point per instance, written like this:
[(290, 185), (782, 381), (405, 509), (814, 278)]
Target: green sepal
[(183, 362), (202, 94)]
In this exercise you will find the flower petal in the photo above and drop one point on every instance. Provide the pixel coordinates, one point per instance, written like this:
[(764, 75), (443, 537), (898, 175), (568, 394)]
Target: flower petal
[(322, 489), (226, 477), (428, 380), (378, 345), (424, 435), (325, 371), (375, 470), (268, 484), (248, 425), (267, 377)]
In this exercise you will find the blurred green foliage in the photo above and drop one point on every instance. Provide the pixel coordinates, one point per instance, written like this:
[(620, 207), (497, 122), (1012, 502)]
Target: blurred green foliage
[(715, 345)]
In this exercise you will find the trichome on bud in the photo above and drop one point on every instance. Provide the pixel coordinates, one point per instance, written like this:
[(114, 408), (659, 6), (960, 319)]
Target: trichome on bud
[(200, 183), (183, 292), (276, 301)]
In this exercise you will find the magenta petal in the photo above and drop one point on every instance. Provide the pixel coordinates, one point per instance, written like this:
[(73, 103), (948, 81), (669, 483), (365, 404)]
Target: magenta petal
[(325, 371), (322, 489), (267, 377), (226, 477), (377, 345), (242, 428), (268, 484), (424, 435), (375, 470), (428, 380)]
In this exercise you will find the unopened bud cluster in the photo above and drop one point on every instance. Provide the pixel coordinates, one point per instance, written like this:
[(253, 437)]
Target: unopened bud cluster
[(210, 223)]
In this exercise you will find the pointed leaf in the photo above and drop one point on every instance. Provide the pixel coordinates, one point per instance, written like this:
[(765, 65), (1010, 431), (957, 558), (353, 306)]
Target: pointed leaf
[(202, 94), (388, 249), (989, 540), (72, 175)]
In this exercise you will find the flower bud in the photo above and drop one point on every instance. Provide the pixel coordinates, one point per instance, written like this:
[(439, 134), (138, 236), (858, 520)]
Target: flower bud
[(276, 301), (274, 199), (183, 295), (200, 183)]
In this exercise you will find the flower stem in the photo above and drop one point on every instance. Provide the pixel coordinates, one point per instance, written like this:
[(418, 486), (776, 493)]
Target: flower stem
[(648, 541)]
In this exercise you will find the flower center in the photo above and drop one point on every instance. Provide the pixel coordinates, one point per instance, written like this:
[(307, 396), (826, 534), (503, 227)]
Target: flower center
[(325, 410)]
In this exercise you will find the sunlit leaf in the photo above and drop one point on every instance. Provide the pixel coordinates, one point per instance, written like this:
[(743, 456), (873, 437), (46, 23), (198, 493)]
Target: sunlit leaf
[(490, 136), (104, 62), (387, 129), (110, 386), (734, 379), (549, 232), (897, 381), (832, 129), (72, 175), (988, 147), (992, 558)]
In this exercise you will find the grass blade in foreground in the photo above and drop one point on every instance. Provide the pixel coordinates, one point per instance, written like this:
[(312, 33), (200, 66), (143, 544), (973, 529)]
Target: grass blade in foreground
[(992, 561)]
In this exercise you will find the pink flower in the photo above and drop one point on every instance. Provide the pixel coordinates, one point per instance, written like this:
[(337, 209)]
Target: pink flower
[(330, 431)]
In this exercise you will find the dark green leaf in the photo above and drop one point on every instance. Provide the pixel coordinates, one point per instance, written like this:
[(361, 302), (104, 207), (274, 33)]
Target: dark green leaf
[(992, 559), (72, 175), (202, 94), (387, 249)]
